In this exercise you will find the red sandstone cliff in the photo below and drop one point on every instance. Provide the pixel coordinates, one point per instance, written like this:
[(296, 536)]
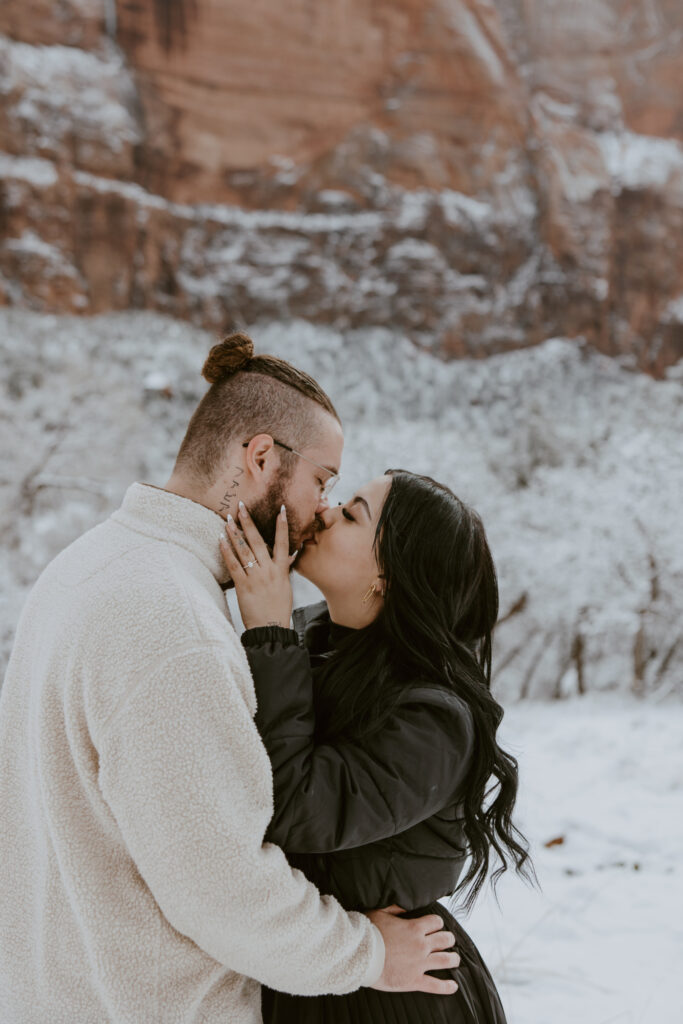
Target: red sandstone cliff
[(479, 175)]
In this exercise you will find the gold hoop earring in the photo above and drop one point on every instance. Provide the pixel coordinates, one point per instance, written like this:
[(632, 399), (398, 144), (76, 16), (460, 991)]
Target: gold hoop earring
[(369, 594)]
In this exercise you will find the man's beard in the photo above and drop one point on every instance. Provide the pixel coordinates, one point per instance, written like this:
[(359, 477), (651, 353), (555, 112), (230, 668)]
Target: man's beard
[(265, 513)]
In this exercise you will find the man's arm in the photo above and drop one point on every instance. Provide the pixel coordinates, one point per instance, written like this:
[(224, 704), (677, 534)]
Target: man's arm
[(186, 776)]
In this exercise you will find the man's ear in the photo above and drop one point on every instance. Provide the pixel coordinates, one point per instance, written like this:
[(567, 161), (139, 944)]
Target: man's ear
[(259, 455)]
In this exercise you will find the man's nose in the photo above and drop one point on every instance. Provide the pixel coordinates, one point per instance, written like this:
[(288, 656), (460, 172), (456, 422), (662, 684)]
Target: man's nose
[(326, 517), (323, 505)]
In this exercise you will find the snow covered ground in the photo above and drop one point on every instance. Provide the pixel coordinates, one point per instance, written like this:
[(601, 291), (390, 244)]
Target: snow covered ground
[(603, 942)]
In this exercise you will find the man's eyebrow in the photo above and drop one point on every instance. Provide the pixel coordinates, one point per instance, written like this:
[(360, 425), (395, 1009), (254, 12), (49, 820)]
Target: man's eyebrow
[(358, 500), (333, 472)]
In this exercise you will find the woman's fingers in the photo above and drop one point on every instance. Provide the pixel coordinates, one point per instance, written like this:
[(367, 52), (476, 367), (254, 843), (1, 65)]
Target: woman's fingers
[(232, 563), (281, 546), (238, 543), (256, 541), (256, 547), (264, 592)]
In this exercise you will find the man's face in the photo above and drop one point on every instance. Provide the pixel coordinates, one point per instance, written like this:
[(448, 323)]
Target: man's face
[(301, 489)]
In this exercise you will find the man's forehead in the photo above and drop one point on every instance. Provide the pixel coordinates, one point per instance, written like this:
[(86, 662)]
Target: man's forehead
[(326, 449)]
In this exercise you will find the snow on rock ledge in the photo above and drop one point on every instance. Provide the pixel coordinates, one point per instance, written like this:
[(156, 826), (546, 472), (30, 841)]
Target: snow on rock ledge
[(70, 105)]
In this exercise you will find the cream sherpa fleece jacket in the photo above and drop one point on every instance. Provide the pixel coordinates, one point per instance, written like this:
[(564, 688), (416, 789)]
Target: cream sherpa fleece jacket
[(135, 792)]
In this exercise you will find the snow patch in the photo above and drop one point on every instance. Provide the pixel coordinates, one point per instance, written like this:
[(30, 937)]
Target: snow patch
[(640, 161), (33, 170), (234, 216), (459, 209), (673, 314), (600, 780), (334, 198), (63, 90), (415, 249), (30, 244)]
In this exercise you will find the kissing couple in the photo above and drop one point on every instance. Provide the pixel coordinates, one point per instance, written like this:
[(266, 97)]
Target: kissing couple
[(203, 827)]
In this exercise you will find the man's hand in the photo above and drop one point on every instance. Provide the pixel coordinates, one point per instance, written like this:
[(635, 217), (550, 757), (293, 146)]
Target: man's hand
[(414, 946)]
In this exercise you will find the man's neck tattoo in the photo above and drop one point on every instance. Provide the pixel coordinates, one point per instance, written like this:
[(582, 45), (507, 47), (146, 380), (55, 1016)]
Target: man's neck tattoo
[(230, 495)]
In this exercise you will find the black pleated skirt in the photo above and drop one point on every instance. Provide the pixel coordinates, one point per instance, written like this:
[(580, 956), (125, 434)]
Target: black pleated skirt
[(475, 1002)]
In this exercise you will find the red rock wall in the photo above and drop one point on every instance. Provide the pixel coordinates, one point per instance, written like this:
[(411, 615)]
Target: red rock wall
[(480, 175), (248, 86)]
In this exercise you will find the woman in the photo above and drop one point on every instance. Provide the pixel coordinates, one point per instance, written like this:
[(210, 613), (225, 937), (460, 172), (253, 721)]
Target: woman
[(378, 718)]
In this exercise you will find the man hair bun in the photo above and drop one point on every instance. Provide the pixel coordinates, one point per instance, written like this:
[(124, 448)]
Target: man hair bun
[(229, 356)]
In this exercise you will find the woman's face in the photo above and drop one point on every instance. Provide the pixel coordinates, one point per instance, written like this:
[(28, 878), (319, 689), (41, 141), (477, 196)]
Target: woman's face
[(340, 559)]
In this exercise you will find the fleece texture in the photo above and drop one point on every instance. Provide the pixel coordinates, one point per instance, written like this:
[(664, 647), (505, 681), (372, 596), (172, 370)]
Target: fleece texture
[(135, 792)]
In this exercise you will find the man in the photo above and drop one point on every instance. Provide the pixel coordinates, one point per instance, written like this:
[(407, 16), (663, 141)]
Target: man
[(134, 788)]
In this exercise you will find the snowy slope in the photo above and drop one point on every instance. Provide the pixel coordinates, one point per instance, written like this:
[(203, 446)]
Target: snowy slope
[(602, 943)]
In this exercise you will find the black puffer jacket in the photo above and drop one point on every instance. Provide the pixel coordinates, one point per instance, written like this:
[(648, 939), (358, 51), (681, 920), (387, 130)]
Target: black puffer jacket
[(372, 822)]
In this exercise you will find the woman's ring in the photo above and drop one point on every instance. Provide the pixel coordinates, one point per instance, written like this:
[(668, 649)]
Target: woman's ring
[(250, 565)]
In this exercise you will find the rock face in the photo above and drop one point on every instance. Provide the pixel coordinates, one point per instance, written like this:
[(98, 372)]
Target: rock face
[(479, 175)]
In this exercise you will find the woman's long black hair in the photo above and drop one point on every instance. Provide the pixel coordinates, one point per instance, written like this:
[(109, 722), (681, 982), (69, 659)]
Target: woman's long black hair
[(435, 626)]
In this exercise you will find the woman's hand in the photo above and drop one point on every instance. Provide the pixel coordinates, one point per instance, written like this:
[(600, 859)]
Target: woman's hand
[(264, 592)]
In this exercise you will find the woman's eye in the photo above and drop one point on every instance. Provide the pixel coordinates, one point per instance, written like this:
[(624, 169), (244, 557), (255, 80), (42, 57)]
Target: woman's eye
[(347, 516)]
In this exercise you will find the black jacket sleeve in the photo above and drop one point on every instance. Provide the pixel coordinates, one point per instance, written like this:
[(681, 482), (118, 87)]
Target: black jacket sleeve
[(338, 796)]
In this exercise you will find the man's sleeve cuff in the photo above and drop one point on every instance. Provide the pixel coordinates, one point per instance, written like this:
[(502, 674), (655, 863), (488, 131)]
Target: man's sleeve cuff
[(376, 965)]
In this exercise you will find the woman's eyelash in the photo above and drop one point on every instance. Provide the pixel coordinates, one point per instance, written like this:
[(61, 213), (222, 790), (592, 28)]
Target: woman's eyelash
[(347, 515)]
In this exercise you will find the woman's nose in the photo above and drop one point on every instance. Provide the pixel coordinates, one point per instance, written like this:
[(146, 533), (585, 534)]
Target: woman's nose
[(327, 517)]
